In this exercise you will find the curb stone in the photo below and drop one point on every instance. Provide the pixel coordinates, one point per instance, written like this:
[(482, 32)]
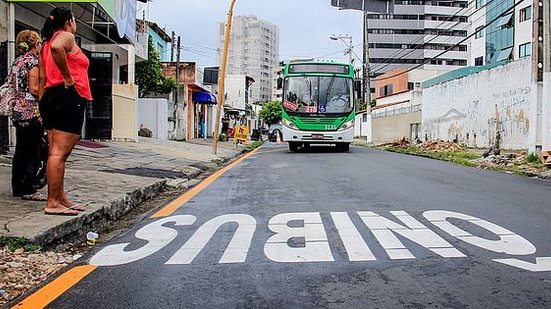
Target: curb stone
[(115, 209)]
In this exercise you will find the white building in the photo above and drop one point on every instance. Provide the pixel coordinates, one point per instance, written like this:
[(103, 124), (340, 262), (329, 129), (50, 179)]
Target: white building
[(277, 94), (507, 38), (417, 31), (254, 51)]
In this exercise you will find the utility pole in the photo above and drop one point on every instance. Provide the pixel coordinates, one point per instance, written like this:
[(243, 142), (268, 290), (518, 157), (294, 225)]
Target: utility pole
[(546, 35), (366, 85), (546, 106), (176, 97), (172, 46), (222, 78)]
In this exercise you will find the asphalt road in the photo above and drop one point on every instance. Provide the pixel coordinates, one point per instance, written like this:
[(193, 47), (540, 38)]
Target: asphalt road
[(323, 229)]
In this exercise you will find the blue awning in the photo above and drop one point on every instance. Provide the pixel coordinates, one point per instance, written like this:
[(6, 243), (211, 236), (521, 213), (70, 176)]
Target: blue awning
[(204, 97)]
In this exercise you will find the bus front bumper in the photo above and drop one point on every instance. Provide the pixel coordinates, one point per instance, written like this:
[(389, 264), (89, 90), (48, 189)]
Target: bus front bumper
[(318, 137)]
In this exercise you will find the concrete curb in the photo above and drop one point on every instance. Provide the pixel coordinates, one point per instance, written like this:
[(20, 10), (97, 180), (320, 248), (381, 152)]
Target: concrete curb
[(101, 217), (115, 209)]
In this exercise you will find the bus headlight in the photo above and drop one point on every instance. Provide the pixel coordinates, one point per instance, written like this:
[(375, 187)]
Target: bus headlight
[(288, 123), (346, 125)]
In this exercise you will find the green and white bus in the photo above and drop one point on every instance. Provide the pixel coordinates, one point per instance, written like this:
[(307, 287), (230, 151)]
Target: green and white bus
[(318, 104)]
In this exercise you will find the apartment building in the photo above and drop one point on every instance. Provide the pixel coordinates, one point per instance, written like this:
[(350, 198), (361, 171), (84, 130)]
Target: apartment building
[(254, 52), (509, 34), (417, 31)]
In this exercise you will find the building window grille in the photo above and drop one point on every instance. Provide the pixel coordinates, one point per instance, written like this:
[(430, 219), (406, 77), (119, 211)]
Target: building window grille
[(479, 61), (525, 14), (525, 50), (479, 3), (479, 32)]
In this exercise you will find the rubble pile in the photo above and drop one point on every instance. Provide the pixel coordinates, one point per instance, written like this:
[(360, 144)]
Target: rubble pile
[(402, 143), (440, 145), (501, 160), (20, 271)]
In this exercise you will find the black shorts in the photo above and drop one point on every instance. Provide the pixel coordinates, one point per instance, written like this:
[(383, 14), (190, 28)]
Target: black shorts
[(63, 109)]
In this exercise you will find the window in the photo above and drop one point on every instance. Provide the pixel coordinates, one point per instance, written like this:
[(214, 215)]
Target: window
[(479, 32), (525, 14), (479, 61), (386, 90), (525, 50), (479, 3)]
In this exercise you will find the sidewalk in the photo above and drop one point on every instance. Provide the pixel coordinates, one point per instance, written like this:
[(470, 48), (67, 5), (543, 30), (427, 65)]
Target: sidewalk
[(109, 179)]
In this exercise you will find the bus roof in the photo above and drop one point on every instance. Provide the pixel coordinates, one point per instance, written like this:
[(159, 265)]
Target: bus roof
[(318, 68)]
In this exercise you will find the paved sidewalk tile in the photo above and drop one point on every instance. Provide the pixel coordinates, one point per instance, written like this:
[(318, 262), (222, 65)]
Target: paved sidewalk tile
[(109, 181)]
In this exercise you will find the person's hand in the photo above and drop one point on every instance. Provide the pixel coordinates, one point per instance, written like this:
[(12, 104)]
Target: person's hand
[(68, 83)]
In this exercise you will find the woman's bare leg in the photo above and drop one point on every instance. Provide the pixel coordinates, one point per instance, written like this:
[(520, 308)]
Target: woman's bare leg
[(61, 145)]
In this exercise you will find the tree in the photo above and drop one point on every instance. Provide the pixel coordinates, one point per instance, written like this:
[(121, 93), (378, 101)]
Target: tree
[(271, 112), (149, 74)]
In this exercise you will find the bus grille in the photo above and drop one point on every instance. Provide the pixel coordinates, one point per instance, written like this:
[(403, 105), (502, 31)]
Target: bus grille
[(323, 121)]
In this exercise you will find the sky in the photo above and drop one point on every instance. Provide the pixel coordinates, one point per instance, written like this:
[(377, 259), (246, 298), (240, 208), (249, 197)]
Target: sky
[(304, 26)]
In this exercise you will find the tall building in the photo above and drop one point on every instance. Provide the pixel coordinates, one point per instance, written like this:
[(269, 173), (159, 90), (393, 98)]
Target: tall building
[(254, 52), (509, 34), (417, 31)]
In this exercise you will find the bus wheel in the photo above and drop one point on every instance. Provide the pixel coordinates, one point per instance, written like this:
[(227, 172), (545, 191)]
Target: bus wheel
[(345, 147), (293, 146)]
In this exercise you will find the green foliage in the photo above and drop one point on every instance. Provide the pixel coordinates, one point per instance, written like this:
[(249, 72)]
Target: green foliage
[(271, 112), (373, 103), (532, 158), (223, 137), (167, 86), (149, 74), (254, 145), (14, 243)]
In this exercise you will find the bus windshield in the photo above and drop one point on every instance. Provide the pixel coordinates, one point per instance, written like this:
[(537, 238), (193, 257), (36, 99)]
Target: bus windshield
[(318, 95)]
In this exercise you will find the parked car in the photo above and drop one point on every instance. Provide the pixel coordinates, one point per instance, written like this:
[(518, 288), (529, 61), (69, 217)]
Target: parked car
[(274, 131)]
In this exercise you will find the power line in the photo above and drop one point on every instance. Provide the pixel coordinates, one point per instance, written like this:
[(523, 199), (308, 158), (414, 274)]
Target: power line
[(411, 51), (506, 12), (442, 23), (390, 59)]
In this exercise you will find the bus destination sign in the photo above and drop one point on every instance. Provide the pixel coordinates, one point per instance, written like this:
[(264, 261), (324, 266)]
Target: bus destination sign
[(319, 68)]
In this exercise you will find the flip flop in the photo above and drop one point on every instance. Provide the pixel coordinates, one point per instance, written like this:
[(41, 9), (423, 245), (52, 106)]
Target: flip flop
[(37, 197), (77, 207), (65, 212)]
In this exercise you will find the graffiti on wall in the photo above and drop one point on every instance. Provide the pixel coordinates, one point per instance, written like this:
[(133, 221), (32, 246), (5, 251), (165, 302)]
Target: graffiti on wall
[(476, 109)]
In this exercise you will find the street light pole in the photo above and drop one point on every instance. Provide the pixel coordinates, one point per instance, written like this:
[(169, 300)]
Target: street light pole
[(349, 45), (222, 78)]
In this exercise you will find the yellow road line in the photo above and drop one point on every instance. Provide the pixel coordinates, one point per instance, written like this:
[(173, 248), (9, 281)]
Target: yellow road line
[(181, 200), (54, 289)]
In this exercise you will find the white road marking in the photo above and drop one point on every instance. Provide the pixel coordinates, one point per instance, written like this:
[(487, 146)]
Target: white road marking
[(316, 247), (310, 228), (384, 230), (237, 249), (509, 242), (356, 248), (542, 264), (157, 235)]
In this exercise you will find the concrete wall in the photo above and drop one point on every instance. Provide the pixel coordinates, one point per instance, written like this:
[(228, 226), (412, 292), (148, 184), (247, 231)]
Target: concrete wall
[(394, 127), (472, 108), (125, 113), (362, 126), (153, 114)]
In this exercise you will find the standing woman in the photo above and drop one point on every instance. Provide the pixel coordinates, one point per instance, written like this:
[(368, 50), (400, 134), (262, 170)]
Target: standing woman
[(64, 75), (25, 117)]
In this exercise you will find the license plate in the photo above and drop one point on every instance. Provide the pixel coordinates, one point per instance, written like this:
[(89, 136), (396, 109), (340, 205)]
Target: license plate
[(317, 136)]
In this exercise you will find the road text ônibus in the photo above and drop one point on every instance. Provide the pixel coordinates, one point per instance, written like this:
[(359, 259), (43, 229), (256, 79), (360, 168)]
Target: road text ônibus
[(316, 245)]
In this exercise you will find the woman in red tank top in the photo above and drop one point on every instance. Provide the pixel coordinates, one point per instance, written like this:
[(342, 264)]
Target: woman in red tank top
[(66, 92)]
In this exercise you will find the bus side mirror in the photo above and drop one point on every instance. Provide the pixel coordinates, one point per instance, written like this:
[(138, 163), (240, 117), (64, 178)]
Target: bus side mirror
[(358, 88), (279, 83)]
